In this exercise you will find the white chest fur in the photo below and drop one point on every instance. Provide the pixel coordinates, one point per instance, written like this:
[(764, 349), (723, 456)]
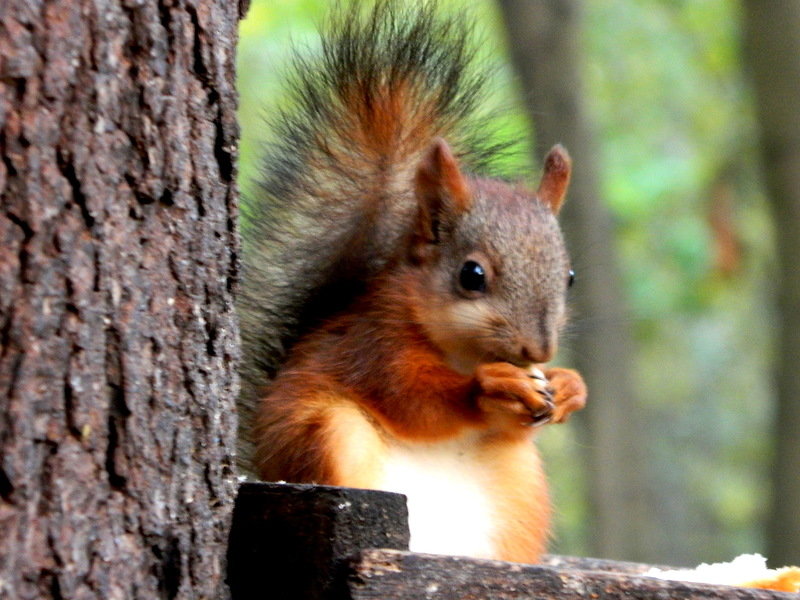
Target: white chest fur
[(450, 510)]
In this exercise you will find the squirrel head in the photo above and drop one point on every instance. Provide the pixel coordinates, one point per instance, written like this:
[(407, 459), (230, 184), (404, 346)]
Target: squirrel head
[(492, 259)]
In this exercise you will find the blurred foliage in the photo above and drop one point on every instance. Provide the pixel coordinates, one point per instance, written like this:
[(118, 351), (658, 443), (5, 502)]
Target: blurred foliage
[(675, 132)]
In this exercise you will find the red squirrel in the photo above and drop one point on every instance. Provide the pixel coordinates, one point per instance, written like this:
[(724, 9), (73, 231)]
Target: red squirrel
[(403, 306)]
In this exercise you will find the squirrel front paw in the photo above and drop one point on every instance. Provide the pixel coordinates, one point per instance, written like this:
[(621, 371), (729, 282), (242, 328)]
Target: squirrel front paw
[(569, 392), (505, 391)]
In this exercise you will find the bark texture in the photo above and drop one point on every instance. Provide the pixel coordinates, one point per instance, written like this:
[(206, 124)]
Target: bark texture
[(772, 44), (543, 41), (118, 258)]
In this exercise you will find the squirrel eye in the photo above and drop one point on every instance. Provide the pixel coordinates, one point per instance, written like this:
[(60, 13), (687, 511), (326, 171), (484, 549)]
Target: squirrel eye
[(571, 279), (472, 277)]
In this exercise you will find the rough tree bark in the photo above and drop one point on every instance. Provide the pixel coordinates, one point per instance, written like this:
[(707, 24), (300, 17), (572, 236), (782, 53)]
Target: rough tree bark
[(772, 49), (118, 257), (543, 43)]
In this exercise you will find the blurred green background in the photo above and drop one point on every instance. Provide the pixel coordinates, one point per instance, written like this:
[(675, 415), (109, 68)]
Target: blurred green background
[(671, 114)]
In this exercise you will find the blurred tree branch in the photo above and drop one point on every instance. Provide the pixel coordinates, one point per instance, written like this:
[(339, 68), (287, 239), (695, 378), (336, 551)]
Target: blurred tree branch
[(772, 49)]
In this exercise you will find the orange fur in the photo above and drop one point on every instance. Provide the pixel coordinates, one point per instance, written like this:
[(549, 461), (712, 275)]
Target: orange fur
[(421, 385), (555, 178), (370, 378), (407, 383), (522, 499), (570, 392)]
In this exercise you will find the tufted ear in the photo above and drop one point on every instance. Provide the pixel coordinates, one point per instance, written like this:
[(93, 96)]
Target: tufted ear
[(555, 178), (442, 192)]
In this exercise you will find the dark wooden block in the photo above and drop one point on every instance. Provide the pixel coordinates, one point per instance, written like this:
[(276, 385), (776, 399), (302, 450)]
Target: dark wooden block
[(289, 541), (393, 575)]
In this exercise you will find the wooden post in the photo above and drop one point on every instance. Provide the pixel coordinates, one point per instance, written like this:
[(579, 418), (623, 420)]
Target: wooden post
[(290, 541)]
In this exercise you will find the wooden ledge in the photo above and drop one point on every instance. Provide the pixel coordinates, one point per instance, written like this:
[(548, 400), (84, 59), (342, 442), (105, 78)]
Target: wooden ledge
[(305, 542), (397, 575)]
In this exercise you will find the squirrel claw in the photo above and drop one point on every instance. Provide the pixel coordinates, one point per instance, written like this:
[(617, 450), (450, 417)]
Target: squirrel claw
[(568, 392), (506, 392), (544, 415)]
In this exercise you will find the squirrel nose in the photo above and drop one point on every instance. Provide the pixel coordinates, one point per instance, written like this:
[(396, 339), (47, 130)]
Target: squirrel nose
[(540, 353)]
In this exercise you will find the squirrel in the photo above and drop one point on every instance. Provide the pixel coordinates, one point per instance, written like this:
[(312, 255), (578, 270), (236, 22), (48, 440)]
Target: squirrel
[(398, 309)]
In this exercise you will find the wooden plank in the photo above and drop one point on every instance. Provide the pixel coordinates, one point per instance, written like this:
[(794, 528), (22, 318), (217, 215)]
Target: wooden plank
[(396, 575), (598, 564), (288, 541)]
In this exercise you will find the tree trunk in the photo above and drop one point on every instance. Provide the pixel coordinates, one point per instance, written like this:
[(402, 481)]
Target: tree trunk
[(543, 43), (772, 47), (118, 257)]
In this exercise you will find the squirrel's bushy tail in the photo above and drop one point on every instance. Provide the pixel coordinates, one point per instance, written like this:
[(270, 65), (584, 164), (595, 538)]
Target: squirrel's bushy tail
[(337, 188)]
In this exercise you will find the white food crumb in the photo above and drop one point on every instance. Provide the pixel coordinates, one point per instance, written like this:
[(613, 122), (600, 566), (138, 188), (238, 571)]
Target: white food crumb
[(742, 569)]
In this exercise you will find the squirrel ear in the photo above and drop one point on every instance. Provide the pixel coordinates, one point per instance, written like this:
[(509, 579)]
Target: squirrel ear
[(555, 178), (442, 191)]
